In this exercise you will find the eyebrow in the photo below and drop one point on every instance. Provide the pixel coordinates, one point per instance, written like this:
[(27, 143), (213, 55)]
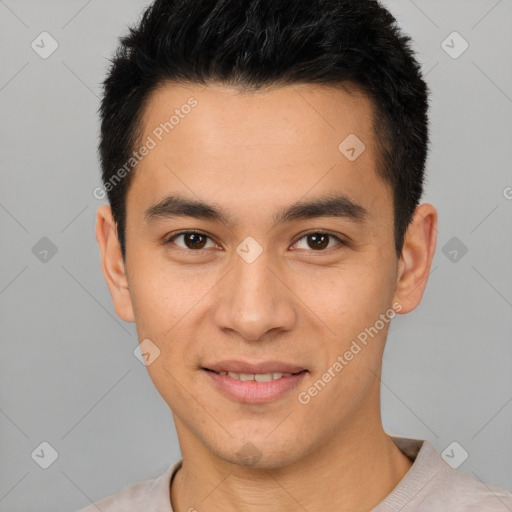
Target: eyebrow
[(334, 205)]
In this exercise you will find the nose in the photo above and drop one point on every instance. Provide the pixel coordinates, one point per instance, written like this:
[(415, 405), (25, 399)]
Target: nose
[(254, 302)]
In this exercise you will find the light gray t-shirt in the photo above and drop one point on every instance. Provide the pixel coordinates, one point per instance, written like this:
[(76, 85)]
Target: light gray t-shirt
[(430, 485)]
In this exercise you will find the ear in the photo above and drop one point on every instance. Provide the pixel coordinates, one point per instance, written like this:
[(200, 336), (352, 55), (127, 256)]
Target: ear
[(112, 263), (416, 258)]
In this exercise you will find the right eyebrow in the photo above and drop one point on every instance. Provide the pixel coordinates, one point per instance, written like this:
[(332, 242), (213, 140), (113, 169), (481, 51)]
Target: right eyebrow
[(179, 206)]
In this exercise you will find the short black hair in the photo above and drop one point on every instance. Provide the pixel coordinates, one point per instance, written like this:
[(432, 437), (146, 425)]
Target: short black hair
[(253, 44)]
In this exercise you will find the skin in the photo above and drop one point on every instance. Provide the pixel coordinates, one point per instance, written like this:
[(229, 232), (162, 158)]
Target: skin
[(253, 154)]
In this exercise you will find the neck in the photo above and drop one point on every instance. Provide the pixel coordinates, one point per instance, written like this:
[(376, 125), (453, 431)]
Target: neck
[(352, 472)]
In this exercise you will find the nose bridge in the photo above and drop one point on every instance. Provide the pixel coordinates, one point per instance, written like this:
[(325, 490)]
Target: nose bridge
[(252, 283), (253, 301)]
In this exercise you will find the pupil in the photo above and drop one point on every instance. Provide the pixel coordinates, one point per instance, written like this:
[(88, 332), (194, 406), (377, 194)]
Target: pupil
[(324, 243), (194, 237)]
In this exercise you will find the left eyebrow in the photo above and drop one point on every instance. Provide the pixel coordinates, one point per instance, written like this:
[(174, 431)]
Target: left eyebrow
[(336, 205)]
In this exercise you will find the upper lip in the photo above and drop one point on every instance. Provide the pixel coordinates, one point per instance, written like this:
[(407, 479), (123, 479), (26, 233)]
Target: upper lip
[(262, 367)]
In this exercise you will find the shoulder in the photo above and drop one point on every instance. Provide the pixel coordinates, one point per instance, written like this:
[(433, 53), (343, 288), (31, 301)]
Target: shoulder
[(129, 498), (456, 490), (432, 484), (153, 493), (462, 492)]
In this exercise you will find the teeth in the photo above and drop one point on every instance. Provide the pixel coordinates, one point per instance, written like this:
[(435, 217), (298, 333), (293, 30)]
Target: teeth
[(264, 377), (259, 377)]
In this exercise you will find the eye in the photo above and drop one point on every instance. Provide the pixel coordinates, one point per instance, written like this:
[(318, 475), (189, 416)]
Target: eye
[(192, 240), (195, 241), (318, 241)]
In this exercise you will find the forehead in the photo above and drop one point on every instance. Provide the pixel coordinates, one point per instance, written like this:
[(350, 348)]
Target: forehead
[(254, 148), (224, 116)]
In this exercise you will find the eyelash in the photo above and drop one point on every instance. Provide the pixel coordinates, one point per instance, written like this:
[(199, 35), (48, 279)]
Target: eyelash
[(173, 236)]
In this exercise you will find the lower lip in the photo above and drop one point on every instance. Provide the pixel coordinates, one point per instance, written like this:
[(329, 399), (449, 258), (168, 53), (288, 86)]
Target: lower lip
[(253, 392)]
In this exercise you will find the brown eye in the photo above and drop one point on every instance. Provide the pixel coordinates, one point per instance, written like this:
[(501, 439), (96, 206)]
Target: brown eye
[(318, 241), (194, 241), (191, 240)]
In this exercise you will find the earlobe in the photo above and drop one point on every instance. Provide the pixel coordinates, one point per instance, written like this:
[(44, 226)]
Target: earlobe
[(416, 257), (112, 263)]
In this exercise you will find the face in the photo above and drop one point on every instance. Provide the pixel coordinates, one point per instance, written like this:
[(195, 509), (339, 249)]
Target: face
[(284, 264)]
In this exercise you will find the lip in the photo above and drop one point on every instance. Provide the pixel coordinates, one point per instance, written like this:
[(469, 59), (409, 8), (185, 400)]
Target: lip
[(235, 366), (254, 392)]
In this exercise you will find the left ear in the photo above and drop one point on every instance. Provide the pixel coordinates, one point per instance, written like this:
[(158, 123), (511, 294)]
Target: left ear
[(416, 257)]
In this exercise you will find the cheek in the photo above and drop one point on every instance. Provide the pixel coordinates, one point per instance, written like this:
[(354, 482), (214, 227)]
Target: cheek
[(351, 322), (346, 299), (160, 298), (160, 316)]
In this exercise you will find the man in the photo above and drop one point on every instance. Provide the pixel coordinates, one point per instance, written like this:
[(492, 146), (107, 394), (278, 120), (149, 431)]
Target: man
[(264, 163)]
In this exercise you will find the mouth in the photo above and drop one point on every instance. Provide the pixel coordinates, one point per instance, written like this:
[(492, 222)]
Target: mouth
[(258, 377), (254, 383)]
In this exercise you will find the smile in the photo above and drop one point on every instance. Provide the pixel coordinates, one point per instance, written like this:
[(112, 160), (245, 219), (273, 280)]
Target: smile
[(258, 377), (254, 388)]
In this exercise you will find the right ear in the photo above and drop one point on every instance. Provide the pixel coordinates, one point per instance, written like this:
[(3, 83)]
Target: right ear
[(112, 263)]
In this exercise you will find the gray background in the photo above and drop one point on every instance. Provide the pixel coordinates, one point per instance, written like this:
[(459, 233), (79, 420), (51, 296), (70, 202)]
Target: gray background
[(68, 375)]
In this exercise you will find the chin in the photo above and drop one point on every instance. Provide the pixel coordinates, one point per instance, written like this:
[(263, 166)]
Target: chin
[(258, 453)]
